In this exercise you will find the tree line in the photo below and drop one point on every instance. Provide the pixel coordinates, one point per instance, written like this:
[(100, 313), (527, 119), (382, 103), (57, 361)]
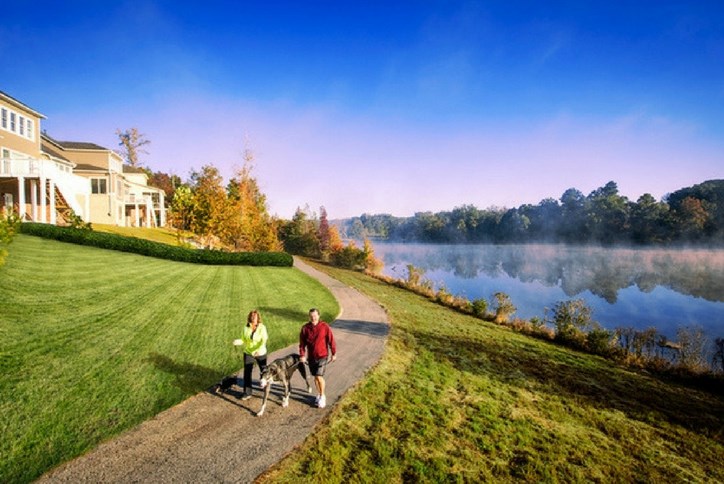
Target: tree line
[(689, 215)]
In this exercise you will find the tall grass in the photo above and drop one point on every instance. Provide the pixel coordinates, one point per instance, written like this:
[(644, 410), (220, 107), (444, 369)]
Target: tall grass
[(93, 342), (459, 399)]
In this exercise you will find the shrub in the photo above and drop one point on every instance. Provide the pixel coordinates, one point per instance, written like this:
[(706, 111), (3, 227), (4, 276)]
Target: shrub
[(372, 263), (480, 308), (75, 221), (155, 249), (349, 257), (600, 342), (717, 361), (571, 319), (414, 275), (8, 227), (504, 307), (692, 343)]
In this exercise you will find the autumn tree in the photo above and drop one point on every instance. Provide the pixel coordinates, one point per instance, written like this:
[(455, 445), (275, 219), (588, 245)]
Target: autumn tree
[(691, 218), (323, 232), (166, 182), (132, 142), (181, 213), (210, 207), (251, 226)]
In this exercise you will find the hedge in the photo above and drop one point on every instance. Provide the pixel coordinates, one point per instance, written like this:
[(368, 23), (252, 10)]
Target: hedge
[(149, 248)]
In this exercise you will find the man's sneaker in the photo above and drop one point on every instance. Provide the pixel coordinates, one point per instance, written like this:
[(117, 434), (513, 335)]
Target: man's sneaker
[(322, 402), (316, 400), (246, 396)]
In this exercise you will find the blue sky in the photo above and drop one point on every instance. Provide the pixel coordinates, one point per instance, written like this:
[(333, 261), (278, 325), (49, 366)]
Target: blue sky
[(387, 107)]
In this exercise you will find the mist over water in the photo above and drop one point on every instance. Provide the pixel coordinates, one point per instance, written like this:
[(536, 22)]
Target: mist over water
[(625, 287)]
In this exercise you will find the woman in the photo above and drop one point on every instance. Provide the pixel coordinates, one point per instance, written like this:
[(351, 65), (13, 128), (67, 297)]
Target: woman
[(253, 342)]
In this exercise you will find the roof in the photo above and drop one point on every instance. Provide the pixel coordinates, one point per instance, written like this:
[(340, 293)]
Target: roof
[(133, 169), (49, 149), (11, 100), (87, 167), (80, 145)]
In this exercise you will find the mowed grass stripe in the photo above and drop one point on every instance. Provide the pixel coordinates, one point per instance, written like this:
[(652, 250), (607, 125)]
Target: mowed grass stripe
[(94, 342)]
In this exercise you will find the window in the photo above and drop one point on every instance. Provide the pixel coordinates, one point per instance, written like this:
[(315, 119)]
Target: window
[(5, 162), (17, 123), (98, 185)]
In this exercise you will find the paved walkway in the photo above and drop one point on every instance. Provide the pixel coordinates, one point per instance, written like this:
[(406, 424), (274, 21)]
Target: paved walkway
[(218, 438)]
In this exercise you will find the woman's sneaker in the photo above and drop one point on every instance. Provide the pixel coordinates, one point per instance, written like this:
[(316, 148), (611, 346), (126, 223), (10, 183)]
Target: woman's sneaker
[(322, 402)]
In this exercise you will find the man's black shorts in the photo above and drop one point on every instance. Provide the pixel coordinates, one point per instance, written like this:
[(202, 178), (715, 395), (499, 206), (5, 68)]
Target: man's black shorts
[(317, 367)]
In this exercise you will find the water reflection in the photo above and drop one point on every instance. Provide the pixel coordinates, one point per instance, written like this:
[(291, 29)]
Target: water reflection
[(626, 286), (602, 271)]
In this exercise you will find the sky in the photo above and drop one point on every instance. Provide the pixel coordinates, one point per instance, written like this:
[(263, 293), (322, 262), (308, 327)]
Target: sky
[(386, 106)]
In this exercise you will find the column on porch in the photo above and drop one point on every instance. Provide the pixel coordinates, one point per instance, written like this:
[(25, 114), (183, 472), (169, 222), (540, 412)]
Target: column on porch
[(53, 216), (21, 197), (43, 200), (34, 200), (135, 213), (149, 211), (162, 209)]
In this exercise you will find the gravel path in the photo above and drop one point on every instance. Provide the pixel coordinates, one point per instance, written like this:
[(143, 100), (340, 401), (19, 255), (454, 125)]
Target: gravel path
[(218, 438)]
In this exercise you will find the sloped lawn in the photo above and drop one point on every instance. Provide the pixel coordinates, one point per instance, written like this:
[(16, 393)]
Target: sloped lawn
[(456, 399), (93, 342)]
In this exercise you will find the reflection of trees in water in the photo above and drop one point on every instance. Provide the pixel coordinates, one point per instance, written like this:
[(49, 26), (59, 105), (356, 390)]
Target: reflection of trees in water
[(603, 271)]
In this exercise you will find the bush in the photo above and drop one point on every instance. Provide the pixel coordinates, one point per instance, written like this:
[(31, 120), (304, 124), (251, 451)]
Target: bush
[(155, 249), (600, 342), (571, 319), (504, 307), (349, 257), (480, 308), (692, 341), (717, 361), (8, 227)]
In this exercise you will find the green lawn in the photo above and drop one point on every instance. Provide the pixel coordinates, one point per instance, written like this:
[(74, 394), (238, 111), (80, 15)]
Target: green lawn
[(458, 399), (93, 342)]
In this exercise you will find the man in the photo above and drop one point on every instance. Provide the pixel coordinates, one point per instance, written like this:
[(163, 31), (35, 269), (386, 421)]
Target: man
[(316, 336)]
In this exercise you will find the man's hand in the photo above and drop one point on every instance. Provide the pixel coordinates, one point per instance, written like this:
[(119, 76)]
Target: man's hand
[(302, 359), (334, 357)]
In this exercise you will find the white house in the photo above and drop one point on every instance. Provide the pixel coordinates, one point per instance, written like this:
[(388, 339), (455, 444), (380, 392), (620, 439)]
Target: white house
[(45, 180)]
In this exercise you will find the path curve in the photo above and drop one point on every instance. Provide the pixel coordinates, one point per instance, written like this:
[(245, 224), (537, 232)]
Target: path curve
[(217, 438)]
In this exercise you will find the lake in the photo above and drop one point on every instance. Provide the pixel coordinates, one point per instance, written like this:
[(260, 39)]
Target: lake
[(625, 287)]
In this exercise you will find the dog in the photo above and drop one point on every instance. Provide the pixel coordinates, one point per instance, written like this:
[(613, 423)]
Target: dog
[(281, 370)]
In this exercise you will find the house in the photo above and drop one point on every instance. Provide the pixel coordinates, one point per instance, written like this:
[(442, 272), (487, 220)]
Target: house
[(45, 180)]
